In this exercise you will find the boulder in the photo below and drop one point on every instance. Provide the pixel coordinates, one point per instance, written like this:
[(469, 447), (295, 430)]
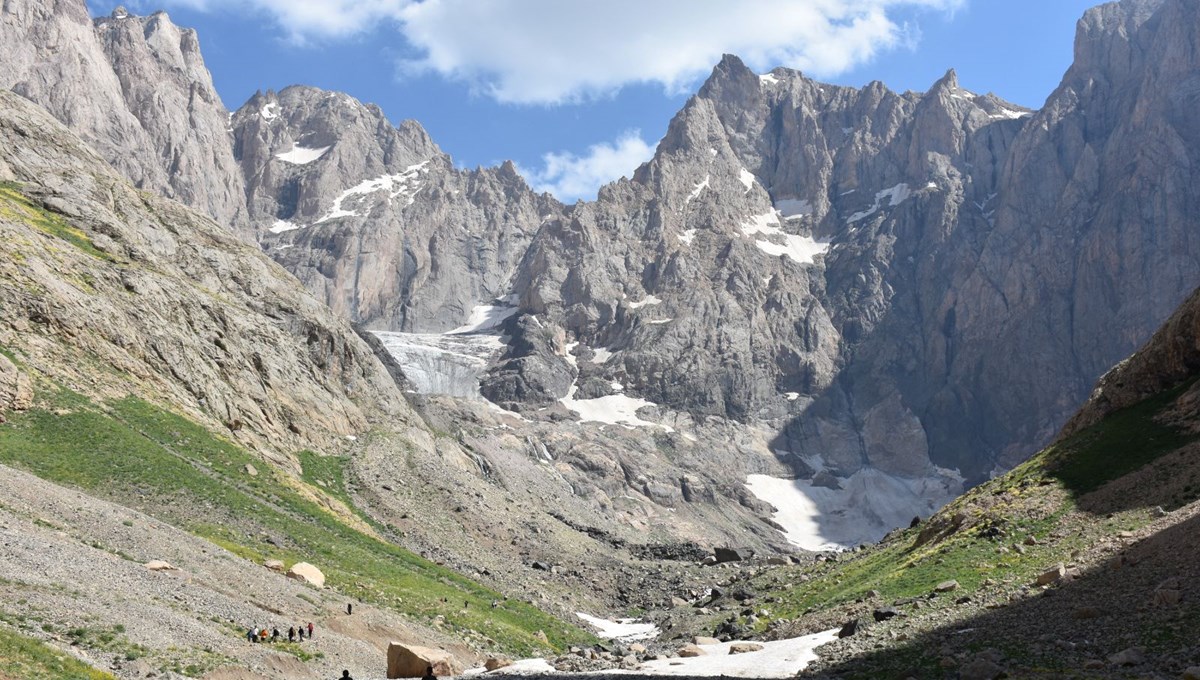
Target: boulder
[(1168, 593), (274, 565), (852, 627), (1192, 673), (946, 586), (303, 571), (691, 651), (1167, 598), (410, 661), (1128, 657), (702, 640), (494, 663), (158, 565), (250, 470), (884, 614), (745, 647), (1052, 575), (637, 648), (724, 555), (981, 669)]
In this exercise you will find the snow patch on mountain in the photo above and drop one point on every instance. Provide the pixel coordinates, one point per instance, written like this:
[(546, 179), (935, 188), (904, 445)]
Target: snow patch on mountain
[(700, 186), (792, 208), (777, 659), (746, 178), (687, 236), (281, 226), (614, 409), (894, 196), (404, 184), (802, 249), (649, 300), (302, 155), (625, 630), (486, 317)]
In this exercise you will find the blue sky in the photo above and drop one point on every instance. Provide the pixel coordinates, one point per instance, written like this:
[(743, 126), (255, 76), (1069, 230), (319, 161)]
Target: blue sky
[(578, 93)]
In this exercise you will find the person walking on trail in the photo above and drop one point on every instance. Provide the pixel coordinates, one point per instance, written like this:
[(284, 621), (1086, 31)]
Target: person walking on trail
[(274, 635), (346, 675), (429, 674), (300, 631), (349, 608), (292, 634), (310, 630), (251, 636)]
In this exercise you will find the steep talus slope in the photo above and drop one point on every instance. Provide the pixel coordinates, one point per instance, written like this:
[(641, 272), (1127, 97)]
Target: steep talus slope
[(375, 219), (136, 90)]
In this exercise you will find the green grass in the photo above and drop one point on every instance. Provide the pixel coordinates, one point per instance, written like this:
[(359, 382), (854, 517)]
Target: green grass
[(142, 456), (327, 473), (1118, 445), (15, 206), (24, 658)]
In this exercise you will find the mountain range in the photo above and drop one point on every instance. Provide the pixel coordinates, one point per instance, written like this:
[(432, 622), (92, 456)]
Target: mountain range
[(881, 299)]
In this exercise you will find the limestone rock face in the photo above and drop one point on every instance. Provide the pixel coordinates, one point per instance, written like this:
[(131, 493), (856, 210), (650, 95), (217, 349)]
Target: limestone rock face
[(133, 88), (375, 219)]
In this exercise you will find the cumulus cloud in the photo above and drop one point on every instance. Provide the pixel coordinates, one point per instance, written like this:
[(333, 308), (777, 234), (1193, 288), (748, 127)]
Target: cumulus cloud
[(554, 51), (570, 177)]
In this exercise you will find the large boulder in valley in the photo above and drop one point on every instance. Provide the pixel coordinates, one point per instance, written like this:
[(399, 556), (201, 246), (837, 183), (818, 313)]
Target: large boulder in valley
[(303, 571), (410, 661)]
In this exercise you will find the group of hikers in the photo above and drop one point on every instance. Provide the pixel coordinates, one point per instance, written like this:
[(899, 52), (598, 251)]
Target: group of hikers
[(294, 634)]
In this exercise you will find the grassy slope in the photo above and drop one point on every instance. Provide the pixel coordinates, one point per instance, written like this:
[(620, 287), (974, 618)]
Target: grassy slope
[(179, 472), (23, 658), (972, 539)]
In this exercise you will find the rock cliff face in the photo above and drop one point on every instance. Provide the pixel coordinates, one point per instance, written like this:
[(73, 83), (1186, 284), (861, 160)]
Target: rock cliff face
[(133, 88), (374, 218)]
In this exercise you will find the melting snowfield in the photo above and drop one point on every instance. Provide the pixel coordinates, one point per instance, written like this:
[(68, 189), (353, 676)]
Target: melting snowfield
[(869, 504), (626, 630), (779, 659)]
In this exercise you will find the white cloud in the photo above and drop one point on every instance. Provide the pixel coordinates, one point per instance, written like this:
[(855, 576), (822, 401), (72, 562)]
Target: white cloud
[(553, 51), (570, 177)]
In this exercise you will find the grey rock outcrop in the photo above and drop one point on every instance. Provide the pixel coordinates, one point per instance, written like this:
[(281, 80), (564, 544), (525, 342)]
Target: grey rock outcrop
[(133, 88)]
